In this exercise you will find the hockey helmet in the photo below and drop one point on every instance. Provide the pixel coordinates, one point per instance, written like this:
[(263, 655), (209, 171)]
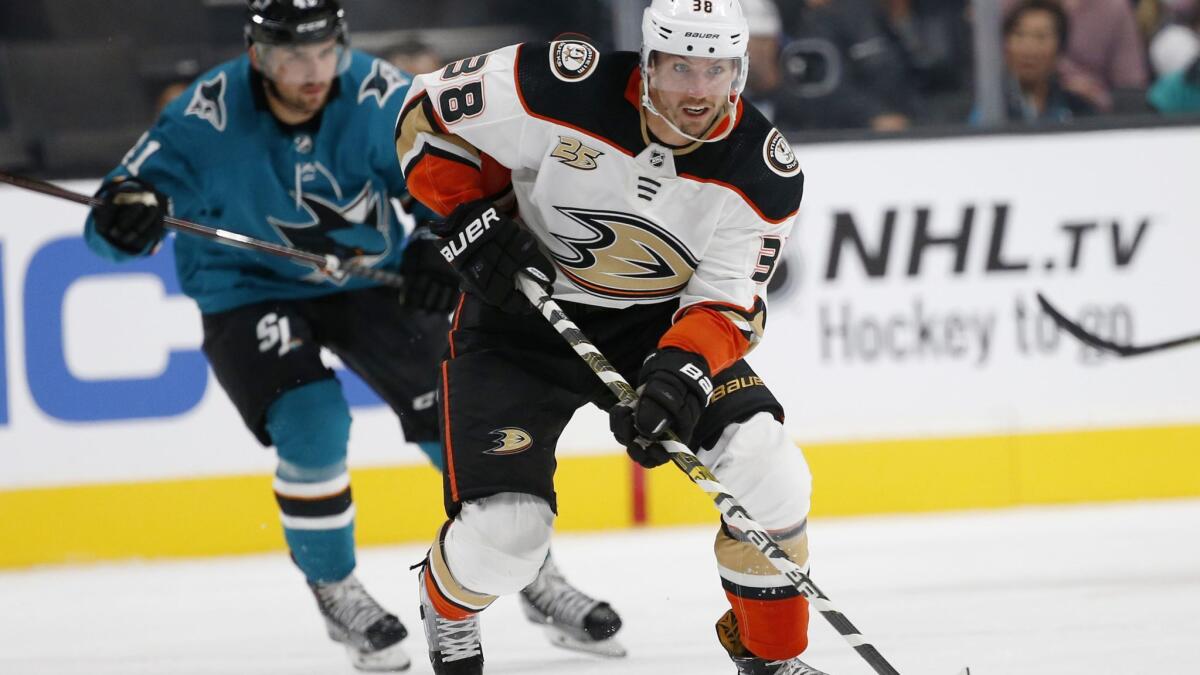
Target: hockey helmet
[(281, 29), (703, 31)]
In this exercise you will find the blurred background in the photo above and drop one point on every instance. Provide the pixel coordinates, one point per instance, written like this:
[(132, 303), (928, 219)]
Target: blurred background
[(821, 68)]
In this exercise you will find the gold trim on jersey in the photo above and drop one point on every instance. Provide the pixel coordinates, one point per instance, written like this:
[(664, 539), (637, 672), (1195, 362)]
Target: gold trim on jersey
[(417, 121)]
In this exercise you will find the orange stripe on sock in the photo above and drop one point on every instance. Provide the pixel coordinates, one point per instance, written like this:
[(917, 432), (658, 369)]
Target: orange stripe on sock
[(444, 607), (772, 629)]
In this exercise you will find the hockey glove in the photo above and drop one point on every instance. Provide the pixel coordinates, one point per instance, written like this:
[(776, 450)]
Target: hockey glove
[(488, 249), (131, 216), (430, 283), (674, 390)]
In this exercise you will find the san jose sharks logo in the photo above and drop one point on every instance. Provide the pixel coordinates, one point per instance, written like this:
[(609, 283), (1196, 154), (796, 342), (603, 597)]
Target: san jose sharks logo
[(356, 230), (384, 80), (623, 256), (208, 102)]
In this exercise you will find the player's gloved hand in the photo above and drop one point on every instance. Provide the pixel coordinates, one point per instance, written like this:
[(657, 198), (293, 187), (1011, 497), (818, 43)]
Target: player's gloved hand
[(131, 215), (673, 392), (429, 281), (488, 249), (645, 452)]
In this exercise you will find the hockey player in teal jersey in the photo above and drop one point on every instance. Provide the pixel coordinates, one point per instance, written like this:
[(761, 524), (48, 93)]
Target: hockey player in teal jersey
[(291, 143)]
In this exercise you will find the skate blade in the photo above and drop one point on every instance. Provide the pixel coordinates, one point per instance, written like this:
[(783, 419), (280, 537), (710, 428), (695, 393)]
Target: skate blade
[(387, 660), (609, 648)]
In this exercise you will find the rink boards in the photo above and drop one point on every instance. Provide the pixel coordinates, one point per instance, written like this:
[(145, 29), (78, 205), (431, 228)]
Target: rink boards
[(903, 338)]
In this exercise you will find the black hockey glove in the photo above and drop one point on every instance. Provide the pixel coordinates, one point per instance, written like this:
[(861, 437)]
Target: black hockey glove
[(430, 283), (673, 392), (131, 217), (488, 249)]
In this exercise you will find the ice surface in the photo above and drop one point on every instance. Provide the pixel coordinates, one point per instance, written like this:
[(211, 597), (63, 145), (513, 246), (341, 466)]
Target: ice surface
[(1062, 591)]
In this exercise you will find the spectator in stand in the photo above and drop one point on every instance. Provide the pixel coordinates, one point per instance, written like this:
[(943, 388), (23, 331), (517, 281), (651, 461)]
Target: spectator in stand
[(1035, 32), (935, 38), (414, 56), (1105, 51), (169, 93), (847, 71), (766, 37), (1176, 40), (883, 64), (1178, 63)]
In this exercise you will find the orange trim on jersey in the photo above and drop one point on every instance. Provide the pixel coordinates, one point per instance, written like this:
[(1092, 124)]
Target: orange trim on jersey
[(495, 178), (442, 184), (462, 298), (445, 608), (448, 442), (704, 331), (544, 118), (741, 194), (633, 88), (775, 630)]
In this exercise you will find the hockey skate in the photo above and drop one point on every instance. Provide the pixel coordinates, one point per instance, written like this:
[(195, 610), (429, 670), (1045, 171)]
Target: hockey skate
[(371, 635), (749, 664), (570, 619), (455, 647)]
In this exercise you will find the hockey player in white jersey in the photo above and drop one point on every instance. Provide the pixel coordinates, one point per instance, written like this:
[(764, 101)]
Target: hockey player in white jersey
[(655, 203)]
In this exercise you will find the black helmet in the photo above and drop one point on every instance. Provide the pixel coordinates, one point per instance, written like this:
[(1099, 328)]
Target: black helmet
[(294, 22)]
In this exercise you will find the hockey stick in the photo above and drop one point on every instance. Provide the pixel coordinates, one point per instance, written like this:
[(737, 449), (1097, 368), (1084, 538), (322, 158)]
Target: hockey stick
[(1092, 340), (328, 264), (683, 458)]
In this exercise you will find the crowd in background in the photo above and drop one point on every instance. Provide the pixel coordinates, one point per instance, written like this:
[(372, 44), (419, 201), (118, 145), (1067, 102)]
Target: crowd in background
[(892, 64), (882, 65), (888, 65)]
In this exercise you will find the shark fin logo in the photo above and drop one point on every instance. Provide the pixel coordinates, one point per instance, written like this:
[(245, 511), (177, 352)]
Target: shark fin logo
[(623, 256), (510, 441), (208, 102), (384, 80), (355, 230)]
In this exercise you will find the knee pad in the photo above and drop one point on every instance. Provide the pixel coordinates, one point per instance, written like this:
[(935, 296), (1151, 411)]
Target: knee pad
[(497, 544), (310, 427), (764, 470)]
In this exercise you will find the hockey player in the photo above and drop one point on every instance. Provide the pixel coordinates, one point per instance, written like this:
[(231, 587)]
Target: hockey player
[(291, 143), (654, 203)]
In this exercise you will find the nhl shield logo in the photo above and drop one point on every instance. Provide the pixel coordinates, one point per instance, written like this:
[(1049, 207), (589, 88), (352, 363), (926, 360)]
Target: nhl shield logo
[(572, 60), (657, 158), (779, 156)]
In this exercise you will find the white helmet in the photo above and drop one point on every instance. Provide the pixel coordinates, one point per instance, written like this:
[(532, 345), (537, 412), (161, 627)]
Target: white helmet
[(714, 29)]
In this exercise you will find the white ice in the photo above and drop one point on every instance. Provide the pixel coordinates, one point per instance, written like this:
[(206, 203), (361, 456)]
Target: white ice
[(1062, 591)]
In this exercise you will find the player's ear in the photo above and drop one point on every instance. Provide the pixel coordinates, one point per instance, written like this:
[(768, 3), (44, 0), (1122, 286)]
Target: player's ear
[(254, 58)]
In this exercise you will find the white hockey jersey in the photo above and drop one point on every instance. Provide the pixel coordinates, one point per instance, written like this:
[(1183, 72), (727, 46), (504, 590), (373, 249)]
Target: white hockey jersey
[(626, 219)]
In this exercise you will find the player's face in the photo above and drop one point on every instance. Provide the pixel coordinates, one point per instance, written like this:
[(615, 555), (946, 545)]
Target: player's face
[(690, 91), (302, 75)]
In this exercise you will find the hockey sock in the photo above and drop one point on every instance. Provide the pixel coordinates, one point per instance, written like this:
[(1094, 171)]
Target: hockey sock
[(310, 426)]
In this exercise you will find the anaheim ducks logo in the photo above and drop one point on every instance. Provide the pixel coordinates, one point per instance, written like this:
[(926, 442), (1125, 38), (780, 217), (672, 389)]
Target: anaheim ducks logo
[(623, 256), (510, 441), (779, 156), (572, 60)]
